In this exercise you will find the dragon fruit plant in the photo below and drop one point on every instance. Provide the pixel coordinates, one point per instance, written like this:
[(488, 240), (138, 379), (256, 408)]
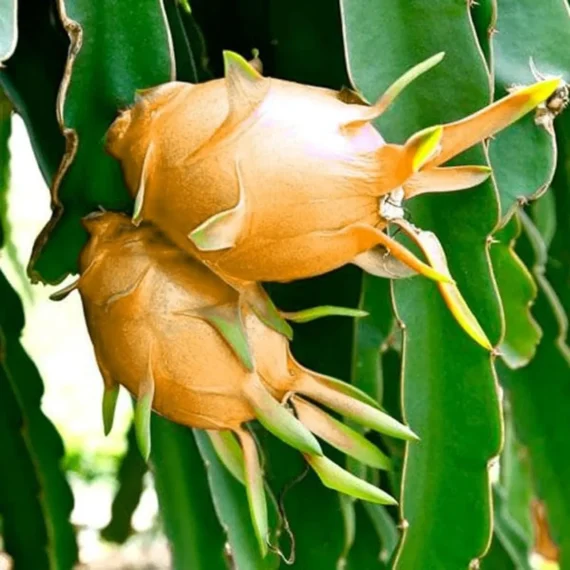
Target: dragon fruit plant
[(293, 181), (373, 160)]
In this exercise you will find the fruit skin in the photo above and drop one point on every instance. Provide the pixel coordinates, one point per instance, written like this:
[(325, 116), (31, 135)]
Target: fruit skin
[(179, 339), (270, 180), (302, 176), (146, 305)]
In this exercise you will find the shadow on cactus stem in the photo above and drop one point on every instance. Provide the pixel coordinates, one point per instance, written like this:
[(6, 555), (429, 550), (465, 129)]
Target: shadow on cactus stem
[(174, 334)]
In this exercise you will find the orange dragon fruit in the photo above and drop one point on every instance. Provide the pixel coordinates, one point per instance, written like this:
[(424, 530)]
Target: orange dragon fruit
[(269, 180), (176, 336)]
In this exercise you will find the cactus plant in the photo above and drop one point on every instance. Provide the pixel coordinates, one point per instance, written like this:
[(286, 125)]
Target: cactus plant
[(223, 215)]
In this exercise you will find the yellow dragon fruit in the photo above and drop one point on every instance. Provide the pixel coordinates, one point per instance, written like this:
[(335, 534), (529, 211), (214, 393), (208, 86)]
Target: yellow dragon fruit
[(270, 180), (177, 337)]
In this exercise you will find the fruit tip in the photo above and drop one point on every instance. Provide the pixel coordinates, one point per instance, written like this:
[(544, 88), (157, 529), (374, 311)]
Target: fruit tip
[(390, 501), (410, 435), (542, 90), (471, 326), (438, 56), (485, 343), (438, 276), (237, 62), (263, 548), (428, 144), (402, 431)]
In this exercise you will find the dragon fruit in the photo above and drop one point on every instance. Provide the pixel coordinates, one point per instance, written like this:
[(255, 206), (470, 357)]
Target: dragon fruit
[(174, 334), (270, 180)]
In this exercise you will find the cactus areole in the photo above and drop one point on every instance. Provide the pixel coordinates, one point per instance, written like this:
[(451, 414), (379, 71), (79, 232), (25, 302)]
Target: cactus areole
[(270, 180)]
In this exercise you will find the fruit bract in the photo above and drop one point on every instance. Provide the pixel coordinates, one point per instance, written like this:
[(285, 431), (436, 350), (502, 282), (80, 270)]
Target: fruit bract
[(176, 336), (270, 180)]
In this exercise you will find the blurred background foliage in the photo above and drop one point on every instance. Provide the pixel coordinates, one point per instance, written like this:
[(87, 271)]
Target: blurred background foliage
[(486, 488)]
